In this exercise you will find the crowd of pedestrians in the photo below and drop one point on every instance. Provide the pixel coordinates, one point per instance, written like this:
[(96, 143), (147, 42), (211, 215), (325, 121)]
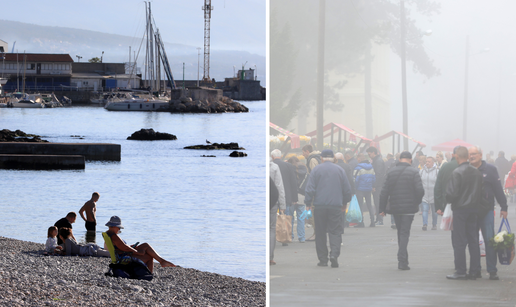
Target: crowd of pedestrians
[(399, 185)]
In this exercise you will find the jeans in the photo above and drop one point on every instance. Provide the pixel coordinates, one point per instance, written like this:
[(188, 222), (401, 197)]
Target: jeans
[(376, 198), (361, 195), (486, 224), (298, 209), (403, 224), (465, 233), (272, 227), (426, 207), (328, 219)]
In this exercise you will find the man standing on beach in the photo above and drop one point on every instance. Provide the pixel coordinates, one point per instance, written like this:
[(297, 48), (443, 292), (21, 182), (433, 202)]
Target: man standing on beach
[(66, 222), (91, 209), (328, 190)]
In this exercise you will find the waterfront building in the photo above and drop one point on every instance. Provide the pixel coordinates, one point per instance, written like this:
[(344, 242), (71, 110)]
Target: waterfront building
[(36, 71)]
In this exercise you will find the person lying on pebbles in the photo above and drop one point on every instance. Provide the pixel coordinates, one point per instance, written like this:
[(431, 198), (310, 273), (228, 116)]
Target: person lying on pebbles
[(70, 246), (144, 252)]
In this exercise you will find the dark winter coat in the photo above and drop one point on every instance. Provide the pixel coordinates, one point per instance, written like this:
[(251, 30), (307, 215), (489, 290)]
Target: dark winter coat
[(288, 175), (443, 177), (492, 186), (379, 171), (464, 191), (349, 172), (402, 190)]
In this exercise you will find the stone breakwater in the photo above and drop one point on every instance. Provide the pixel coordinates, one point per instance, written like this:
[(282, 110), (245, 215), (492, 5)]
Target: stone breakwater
[(29, 278)]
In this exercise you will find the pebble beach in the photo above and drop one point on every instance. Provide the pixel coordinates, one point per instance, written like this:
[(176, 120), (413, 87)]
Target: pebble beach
[(29, 278)]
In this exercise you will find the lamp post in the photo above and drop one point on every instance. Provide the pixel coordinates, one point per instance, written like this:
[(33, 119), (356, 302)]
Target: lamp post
[(404, 71), (465, 109), (198, 63), (102, 56), (255, 73), (78, 58)]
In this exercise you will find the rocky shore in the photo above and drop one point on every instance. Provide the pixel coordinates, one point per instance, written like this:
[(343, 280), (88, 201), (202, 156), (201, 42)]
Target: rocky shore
[(224, 105), (7, 135), (29, 278)]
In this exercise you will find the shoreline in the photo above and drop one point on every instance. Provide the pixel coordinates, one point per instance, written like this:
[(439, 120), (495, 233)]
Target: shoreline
[(29, 278)]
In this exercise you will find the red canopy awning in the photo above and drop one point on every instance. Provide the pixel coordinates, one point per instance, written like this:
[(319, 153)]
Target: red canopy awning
[(448, 146), (294, 138), (353, 133)]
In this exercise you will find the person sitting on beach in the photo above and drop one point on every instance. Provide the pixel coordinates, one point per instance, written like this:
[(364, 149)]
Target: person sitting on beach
[(51, 245), (144, 251), (67, 222), (70, 246)]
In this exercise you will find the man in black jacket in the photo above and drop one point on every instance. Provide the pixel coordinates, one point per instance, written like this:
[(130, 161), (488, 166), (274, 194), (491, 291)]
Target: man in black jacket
[(379, 171), (288, 175), (492, 189), (464, 192), (401, 195)]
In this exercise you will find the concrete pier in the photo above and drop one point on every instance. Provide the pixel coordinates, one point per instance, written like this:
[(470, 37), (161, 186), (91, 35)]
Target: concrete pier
[(90, 151), (41, 162)]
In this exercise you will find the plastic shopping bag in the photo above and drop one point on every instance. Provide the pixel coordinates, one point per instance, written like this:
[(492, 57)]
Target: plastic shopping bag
[(284, 228), (506, 256), (447, 220), (482, 244), (354, 215)]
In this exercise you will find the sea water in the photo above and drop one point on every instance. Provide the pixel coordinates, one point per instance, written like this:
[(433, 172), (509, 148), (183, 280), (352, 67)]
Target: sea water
[(198, 212)]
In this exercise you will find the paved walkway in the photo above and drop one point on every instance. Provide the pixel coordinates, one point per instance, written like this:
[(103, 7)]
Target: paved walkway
[(368, 274)]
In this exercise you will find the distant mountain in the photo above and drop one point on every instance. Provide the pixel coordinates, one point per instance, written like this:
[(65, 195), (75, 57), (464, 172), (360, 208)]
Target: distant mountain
[(33, 38)]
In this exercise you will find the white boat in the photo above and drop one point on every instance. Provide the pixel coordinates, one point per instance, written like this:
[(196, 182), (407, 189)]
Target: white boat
[(19, 100), (137, 104)]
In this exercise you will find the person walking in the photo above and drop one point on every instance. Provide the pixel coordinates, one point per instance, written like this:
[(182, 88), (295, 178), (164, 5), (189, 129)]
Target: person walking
[(464, 192), (299, 206), (313, 157), (428, 178), (492, 189), (327, 190), (340, 160), (364, 181), (288, 176), (350, 159), (379, 172), (439, 159), (275, 175), (401, 195), (503, 165)]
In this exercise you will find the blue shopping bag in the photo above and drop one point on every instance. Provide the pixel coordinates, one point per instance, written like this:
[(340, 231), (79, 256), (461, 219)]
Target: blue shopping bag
[(354, 214)]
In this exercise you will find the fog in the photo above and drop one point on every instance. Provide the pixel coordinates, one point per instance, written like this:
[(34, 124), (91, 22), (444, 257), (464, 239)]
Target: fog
[(435, 85)]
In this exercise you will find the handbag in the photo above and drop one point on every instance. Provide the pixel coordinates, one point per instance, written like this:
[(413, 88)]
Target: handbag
[(284, 228), (447, 219), (354, 215), (505, 256)]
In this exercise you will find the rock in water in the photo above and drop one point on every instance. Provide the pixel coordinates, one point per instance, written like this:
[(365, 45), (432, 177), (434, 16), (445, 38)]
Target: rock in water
[(236, 154), (7, 135), (213, 146), (151, 135)]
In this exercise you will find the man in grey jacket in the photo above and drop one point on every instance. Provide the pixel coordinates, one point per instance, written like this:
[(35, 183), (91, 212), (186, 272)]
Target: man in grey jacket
[(401, 195), (327, 190)]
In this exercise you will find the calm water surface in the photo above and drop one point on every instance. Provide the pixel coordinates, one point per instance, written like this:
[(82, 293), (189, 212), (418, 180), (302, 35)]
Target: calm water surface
[(202, 213)]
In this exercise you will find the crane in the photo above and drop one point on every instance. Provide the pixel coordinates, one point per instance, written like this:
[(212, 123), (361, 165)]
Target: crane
[(207, 16)]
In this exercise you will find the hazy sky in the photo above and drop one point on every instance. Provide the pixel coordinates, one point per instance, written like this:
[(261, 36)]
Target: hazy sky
[(235, 24), (436, 105)]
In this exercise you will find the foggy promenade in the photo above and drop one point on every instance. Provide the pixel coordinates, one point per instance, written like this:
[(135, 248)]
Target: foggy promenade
[(368, 272)]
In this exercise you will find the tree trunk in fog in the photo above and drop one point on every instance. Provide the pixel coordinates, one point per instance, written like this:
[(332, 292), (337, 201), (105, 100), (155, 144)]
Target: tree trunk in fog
[(320, 76), (368, 93)]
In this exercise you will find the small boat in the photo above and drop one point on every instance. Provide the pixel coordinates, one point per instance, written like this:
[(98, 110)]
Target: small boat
[(136, 102), (20, 100)]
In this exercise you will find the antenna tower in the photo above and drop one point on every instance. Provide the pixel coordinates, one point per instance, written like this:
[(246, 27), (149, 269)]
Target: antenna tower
[(207, 16)]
